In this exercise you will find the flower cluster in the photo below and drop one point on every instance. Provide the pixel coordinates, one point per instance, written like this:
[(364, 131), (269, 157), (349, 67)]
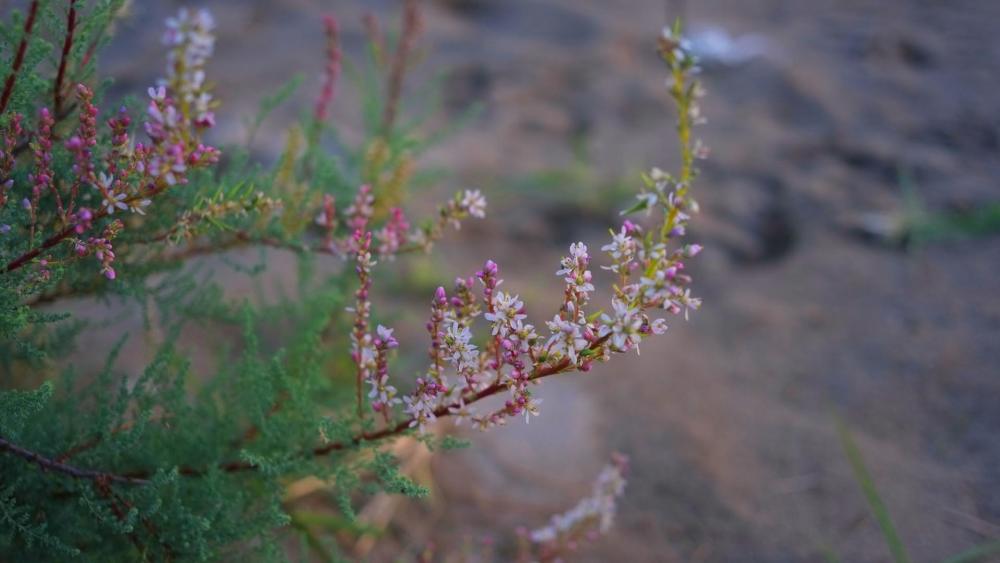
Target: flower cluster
[(650, 281), (361, 209), (649, 278), (191, 41), (363, 350), (42, 150), (483, 342), (591, 516), (469, 203), (382, 394), (124, 177), (395, 234), (101, 247)]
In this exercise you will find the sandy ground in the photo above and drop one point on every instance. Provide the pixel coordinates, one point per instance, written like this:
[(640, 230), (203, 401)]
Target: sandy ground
[(729, 420)]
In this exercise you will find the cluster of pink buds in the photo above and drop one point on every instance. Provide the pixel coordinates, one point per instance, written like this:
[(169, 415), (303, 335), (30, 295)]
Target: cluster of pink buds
[(592, 516), (363, 351), (382, 394), (101, 248), (331, 71), (8, 155), (439, 311), (394, 234), (174, 149), (83, 142), (42, 149), (361, 209), (11, 134)]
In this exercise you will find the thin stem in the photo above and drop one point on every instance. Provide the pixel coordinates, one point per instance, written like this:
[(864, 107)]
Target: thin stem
[(57, 90), (15, 69), (407, 37)]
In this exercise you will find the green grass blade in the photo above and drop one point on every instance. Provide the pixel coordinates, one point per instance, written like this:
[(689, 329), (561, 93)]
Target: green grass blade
[(867, 484), (976, 554)]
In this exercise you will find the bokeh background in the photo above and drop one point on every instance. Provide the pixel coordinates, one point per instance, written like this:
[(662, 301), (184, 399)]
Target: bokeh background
[(850, 269)]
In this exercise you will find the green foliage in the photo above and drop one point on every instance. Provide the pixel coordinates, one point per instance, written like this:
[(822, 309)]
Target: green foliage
[(16, 407), (208, 448)]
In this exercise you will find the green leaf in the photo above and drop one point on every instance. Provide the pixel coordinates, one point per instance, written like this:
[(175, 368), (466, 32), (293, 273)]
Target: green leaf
[(867, 484)]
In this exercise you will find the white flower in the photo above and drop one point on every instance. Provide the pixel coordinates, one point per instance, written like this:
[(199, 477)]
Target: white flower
[(384, 393), (683, 300), (421, 410), (474, 203), (655, 288), (461, 411), (621, 244), (622, 249), (506, 316), (623, 327), (157, 94), (574, 271), (139, 207), (522, 336), (531, 409), (543, 535), (457, 347), (116, 202), (385, 334), (578, 258), (567, 338)]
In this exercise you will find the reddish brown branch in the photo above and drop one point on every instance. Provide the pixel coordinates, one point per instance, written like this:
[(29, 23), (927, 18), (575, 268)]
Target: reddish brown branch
[(34, 252), (49, 464), (404, 425), (57, 90), (15, 69)]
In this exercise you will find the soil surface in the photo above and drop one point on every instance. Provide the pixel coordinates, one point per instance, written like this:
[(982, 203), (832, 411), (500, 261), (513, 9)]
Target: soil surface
[(729, 420)]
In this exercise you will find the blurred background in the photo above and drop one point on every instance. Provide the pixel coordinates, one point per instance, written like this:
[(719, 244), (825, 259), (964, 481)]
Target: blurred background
[(849, 213)]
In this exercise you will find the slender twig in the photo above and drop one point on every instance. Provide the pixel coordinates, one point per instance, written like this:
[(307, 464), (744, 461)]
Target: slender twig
[(49, 464), (15, 69), (57, 89), (89, 444), (407, 37)]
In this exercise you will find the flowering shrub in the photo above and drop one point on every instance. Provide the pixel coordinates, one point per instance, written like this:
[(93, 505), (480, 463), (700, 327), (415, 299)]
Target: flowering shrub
[(174, 463)]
